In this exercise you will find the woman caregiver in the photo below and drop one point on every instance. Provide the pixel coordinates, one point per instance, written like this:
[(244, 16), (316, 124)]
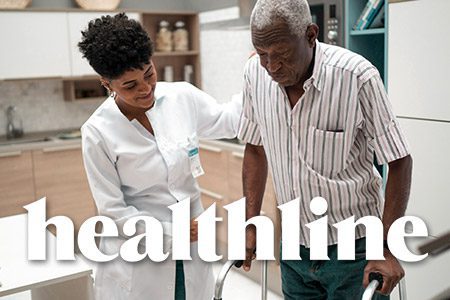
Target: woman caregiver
[(140, 150)]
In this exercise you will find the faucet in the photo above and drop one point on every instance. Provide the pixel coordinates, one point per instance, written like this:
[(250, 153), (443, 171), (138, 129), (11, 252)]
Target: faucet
[(14, 124)]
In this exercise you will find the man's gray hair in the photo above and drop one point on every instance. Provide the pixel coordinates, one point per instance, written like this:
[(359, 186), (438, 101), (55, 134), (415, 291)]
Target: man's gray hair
[(295, 13)]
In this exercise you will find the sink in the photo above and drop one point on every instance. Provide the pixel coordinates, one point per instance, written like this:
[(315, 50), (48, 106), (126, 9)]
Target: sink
[(24, 140)]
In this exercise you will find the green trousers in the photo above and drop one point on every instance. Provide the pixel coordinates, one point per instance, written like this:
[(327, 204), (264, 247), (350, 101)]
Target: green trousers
[(325, 279), (180, 290)]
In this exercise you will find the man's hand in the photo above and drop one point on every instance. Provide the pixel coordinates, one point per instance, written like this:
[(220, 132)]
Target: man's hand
[(391, 270), (194, 230), (250, 245)]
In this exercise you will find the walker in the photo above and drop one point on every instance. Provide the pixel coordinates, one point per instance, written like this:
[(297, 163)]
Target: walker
[(376, 282)]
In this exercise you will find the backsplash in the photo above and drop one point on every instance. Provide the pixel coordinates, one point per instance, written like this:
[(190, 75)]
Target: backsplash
[(41, 105), (224, 54)]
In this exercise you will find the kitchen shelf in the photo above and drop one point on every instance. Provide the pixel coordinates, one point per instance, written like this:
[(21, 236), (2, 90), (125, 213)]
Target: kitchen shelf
[(175, 53), (176, 59), (368, 31)]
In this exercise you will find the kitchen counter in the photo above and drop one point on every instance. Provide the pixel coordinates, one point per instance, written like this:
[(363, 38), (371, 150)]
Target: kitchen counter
[(53, 140), (40, 140)]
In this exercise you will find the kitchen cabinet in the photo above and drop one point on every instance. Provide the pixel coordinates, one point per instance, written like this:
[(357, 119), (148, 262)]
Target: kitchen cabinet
[(418, 74), (17, 183), (370, 43), (176, 59), (34, 44), (60, 176), (222, 184)]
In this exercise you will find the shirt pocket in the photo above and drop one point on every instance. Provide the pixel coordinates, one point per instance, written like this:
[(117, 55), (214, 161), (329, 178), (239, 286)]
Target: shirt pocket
[(325, 151), (184, 146)]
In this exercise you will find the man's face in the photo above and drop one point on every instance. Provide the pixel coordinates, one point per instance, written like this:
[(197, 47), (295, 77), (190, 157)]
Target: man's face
[(285, 56)]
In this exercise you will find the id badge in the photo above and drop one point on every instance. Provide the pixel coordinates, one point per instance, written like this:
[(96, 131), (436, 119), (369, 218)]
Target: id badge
[(194, 159)]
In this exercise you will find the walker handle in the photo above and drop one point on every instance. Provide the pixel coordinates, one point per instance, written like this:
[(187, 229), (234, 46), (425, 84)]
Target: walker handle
[(378, 277)]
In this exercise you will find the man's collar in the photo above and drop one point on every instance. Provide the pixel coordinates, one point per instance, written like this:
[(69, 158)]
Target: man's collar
[(316, 77)]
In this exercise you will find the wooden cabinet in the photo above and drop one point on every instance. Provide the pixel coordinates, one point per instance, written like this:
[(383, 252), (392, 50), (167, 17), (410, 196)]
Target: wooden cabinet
[(222, 184), (60, 176), (177, 59), (16, 182), (34, 44)]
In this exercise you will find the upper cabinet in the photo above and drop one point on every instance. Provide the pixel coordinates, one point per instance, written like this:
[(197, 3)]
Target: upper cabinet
[(371, 42), (37, 44), (34, 45), (418, 70), (77, 22)]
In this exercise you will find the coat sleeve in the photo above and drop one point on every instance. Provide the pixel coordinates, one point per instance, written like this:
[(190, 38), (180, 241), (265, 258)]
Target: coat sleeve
[(105, 185), (214, 120)]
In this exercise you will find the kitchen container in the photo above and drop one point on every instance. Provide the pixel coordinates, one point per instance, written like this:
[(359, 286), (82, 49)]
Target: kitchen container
[(164, 37), (180, 37), (14, 4), (98, 4)]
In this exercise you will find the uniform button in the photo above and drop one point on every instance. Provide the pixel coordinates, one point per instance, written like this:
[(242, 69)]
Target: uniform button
[(170, 286)]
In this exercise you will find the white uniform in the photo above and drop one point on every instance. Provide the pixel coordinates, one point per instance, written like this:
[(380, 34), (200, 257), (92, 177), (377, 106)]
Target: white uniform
[(133, 173)]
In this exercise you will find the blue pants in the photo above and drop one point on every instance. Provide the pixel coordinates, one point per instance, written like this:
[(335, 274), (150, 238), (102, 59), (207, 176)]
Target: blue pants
[(325, 279)]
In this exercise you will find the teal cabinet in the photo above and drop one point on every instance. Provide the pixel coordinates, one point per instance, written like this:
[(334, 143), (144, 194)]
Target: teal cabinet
[(370, 43)]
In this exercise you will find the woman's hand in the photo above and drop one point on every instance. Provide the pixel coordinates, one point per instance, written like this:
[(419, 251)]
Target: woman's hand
[(194, 230)]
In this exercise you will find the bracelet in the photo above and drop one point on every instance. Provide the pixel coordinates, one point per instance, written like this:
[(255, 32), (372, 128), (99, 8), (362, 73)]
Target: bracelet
[(385, 245)]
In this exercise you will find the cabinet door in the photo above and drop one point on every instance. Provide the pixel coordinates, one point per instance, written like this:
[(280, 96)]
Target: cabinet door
[(77, 23), (430, 187), (16, 182), (34, 44), (418, 73), (60, 176)]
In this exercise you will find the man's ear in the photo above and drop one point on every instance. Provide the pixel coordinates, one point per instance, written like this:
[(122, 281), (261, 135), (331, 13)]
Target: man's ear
[(312, 31)]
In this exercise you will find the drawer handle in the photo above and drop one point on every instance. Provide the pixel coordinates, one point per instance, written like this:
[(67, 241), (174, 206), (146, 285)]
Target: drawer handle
[(11, 154), (211, 194), (61, 148), (237, 154), (210, 148)]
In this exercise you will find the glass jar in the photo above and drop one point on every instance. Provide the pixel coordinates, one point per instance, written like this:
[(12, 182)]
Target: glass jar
[(164, 37), (180, 37)]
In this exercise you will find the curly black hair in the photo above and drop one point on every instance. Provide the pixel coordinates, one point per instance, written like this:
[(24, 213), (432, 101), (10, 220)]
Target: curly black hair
[(115, 44)]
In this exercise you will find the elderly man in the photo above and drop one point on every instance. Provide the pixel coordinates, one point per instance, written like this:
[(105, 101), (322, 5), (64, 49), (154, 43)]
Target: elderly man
[(316, 115)]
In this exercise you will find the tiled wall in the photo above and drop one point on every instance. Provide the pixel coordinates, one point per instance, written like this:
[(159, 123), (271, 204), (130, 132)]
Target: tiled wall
[(41, 106), (224, 53)]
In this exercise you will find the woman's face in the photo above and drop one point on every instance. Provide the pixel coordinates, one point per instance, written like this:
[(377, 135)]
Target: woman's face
[(135, 88)]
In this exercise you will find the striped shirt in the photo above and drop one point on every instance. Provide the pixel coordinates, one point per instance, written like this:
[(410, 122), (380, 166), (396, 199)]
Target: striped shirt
[(325, 145)]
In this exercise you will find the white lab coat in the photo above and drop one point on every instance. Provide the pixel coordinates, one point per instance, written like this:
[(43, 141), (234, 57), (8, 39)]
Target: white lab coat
[(132, 173)]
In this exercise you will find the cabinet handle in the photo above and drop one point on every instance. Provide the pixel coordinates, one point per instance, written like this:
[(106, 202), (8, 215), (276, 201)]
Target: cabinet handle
[(61, 148), (11, 154), (211, 194), (210, 148), (237, 154)]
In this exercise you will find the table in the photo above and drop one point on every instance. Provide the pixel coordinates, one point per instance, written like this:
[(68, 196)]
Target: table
[(50, 279)]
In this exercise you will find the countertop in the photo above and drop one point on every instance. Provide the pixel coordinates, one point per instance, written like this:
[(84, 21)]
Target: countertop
[(67, 139), (40, 140)]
